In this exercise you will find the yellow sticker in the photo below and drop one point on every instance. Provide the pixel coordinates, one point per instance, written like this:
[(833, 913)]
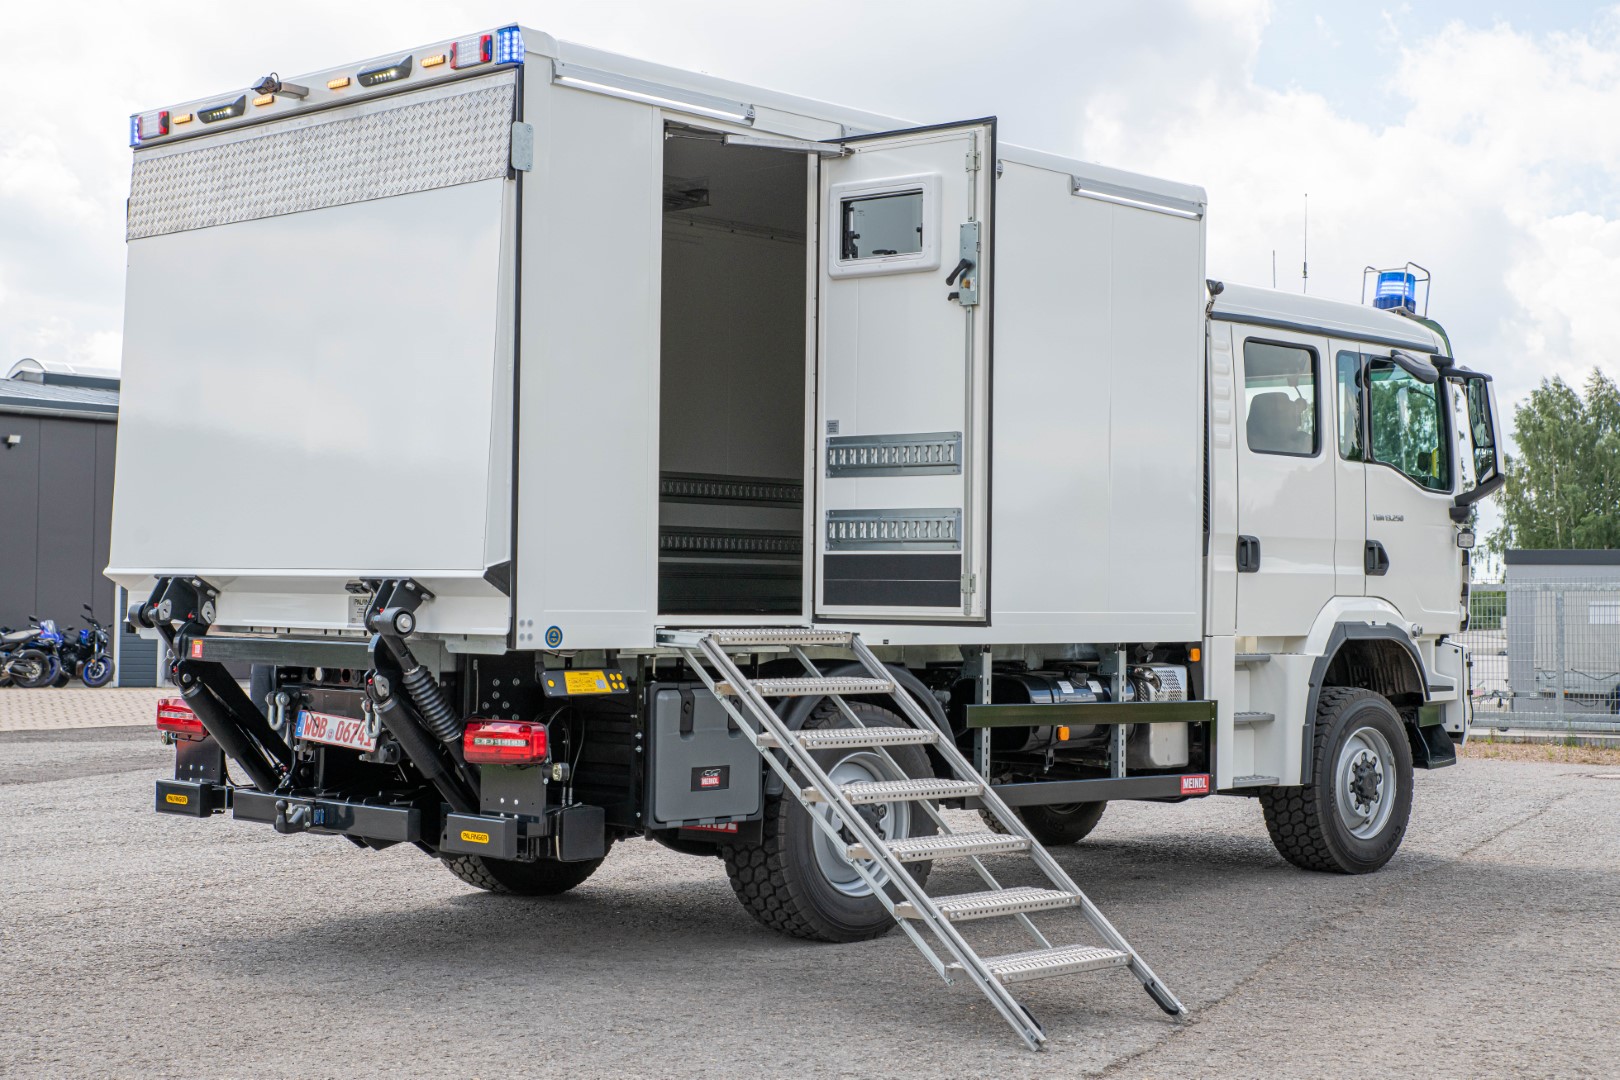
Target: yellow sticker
[(474, 837), (178, 800), (586, 682)]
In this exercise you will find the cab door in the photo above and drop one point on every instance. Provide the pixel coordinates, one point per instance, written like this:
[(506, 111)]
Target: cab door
[(1412, 556), (903, 361), (1286, 481)]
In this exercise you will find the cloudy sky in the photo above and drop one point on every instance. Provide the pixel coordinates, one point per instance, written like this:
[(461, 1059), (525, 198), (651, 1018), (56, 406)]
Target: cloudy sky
[(1475, 138)]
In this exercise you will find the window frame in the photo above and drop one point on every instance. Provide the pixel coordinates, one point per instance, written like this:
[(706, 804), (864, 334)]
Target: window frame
[(928, 258), (1316, 396), (1447, 437)]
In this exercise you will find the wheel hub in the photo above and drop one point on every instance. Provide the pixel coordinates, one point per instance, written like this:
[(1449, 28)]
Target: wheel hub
[(891, 821), (1364, 780), (1367, 781)]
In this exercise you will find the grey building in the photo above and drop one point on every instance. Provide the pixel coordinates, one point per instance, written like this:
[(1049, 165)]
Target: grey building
[(58, 429)]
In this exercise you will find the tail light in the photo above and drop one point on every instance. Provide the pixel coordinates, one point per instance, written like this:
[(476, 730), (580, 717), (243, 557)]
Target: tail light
[(176, 717), (503, 742)]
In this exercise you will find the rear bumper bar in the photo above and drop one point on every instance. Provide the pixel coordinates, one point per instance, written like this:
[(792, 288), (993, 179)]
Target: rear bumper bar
[(294, 813)]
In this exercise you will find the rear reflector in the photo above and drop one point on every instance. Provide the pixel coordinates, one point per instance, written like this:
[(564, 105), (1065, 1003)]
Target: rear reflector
[(176, 717), (503, 742)]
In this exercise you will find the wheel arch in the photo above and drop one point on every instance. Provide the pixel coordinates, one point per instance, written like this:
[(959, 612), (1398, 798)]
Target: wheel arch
[(1374, 656)]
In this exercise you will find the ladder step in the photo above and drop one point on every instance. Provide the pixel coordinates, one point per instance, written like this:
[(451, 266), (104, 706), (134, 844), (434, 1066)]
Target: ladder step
[(845, 738), (902, 791), (1251, 719), (781, 636), (1253, 781), (955, 845), (1046, 963), (1250, 659), (988, 905), (811, 686)]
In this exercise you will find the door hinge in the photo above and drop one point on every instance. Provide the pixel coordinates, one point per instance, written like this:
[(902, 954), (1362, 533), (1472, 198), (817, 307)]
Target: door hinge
[(972, 161), (970, 584), (522, 146)]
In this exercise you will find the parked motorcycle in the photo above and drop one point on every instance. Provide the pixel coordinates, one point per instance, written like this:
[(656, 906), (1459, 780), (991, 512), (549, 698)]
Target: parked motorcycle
[(88, 653), (29, 658)]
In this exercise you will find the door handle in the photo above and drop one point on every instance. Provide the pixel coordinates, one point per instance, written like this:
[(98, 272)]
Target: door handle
[(1377, 561), (1248, 554), (961, 268)]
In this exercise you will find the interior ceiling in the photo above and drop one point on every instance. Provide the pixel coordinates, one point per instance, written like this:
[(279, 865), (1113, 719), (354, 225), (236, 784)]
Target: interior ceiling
[(761, 188)]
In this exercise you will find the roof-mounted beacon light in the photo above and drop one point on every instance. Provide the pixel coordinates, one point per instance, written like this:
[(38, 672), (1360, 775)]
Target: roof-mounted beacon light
[(509, 45), (1396, 290)]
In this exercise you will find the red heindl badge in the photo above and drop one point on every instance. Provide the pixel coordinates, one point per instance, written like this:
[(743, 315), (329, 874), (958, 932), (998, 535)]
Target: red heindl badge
[(196, 650), (1195, 785)]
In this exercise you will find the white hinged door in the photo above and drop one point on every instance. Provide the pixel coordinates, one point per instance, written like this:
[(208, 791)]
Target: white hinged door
[(903, 360)]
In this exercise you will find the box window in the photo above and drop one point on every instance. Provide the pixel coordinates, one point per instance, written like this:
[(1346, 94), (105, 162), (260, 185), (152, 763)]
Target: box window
[(875, 226)]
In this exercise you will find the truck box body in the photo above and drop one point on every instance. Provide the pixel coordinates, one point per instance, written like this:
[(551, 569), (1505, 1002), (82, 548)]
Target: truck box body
[(365, 340)]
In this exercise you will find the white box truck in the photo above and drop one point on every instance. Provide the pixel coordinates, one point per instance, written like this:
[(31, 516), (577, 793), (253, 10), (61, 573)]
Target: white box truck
[(581, 449)]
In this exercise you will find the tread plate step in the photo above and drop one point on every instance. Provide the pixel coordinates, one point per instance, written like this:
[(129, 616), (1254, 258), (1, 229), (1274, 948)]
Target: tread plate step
[(1253, 781), (849, 737), (1247, 658), (988, 905), (1047, 963), (1251, 719), (810, 686), (781, 636), (902, 790), (956, 845)]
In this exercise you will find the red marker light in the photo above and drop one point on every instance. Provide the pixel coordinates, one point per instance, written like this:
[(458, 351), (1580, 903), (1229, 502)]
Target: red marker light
[(176, 717), (503, 742)]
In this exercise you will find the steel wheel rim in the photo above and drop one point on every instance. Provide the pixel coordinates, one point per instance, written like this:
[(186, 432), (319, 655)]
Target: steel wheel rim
[(1365, 785), (893, 821)]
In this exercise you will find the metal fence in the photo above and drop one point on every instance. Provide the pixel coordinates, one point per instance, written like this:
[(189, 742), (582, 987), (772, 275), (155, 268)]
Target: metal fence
[(1546, 655)]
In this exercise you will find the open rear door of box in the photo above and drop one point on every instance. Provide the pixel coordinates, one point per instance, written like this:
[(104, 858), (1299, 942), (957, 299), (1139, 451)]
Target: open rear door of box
[(903, 376)]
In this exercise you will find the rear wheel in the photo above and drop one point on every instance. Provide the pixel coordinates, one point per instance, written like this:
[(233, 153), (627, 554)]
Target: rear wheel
[(1054, 826), (544, 877), (31, 668), (796, 879), (1352, 817)]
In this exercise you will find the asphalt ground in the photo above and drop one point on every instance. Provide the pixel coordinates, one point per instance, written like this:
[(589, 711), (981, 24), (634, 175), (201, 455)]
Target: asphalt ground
[(135, 944)]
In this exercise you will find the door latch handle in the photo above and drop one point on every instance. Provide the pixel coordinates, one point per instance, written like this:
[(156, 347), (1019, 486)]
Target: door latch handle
[(961, 268), (1377, 560), (1248, 554)]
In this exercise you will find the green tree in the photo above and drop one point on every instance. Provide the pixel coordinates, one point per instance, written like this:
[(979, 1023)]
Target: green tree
[(1563, 486)]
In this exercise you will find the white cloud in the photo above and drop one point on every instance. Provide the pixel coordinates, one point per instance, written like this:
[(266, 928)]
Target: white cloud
[(1499, 174), (1499, 170)]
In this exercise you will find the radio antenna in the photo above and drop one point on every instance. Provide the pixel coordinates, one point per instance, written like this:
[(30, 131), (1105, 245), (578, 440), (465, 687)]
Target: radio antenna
[(1305, 261)]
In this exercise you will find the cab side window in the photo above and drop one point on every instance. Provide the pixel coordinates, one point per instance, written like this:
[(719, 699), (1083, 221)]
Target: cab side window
[(1407, 425), (1279, 399), (1349, 365)]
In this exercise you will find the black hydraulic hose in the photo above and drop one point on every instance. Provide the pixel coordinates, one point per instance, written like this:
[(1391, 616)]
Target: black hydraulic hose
[(429, 699)]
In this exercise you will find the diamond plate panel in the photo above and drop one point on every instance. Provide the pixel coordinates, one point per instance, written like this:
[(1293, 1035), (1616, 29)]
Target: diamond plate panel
[(418, 147)]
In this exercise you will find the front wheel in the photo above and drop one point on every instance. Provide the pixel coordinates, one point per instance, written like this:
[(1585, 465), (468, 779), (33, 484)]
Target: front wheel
[(97, 671), (798, 880), (1352, 817)]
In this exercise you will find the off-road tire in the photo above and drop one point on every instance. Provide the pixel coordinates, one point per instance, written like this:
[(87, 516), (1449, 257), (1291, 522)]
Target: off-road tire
[(778, 880), (546, 877), (1304, 822)]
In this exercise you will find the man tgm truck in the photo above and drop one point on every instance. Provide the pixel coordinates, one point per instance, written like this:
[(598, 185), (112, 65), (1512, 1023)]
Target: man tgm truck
[(582, 450)]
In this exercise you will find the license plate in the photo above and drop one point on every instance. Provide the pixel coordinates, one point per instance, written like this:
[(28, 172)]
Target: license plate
[(334, 730)]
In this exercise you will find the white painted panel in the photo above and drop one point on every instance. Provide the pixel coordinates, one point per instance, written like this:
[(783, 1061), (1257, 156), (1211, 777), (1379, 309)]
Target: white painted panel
[(588, 381), (285, 377), (1096, 494)]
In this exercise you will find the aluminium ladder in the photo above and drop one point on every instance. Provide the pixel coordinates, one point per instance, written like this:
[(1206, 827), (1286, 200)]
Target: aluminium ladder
[(881, 862)]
